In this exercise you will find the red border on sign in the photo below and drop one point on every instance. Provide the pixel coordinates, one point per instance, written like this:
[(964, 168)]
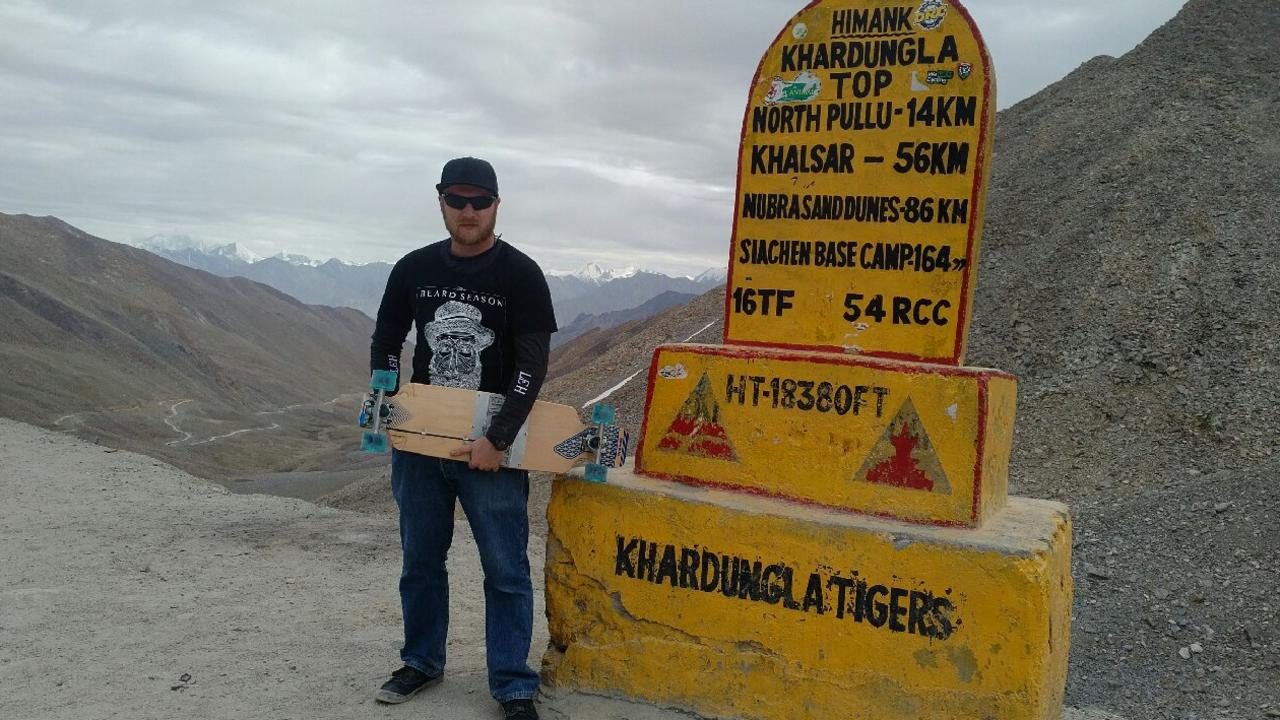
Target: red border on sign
[(962, 326), (648, 402), (982, 375), (981, 450)]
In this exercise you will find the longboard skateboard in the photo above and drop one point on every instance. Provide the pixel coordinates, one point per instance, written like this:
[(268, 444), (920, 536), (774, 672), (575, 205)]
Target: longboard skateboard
[(434, 420)]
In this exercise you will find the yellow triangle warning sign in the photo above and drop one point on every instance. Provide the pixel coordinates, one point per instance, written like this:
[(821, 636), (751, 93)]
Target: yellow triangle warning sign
[(904, 457), (697, 429)]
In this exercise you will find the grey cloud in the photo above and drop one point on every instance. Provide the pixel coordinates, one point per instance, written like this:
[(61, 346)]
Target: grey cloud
[(319, 127)]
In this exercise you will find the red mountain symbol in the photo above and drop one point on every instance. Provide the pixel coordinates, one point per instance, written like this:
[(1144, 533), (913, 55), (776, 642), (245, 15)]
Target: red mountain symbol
[(697, 430), (904, 457)]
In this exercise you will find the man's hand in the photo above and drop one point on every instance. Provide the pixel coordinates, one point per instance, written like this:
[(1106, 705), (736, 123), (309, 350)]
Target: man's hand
[(484, 456)]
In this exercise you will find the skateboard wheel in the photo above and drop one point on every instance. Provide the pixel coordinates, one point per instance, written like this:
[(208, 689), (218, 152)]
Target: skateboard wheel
[(595, 472), (384, 380), (373, 442), (602, 414)]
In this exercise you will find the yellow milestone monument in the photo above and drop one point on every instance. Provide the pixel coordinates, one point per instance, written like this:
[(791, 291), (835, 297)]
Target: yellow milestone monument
[(817, 523)]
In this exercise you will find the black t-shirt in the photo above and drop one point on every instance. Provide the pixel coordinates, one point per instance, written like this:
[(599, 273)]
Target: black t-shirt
[(467, 312)]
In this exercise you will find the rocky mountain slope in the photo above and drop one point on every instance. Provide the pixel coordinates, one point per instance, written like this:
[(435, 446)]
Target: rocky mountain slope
[(1129, 279), (605, 358), (120, 345), (591, 321)]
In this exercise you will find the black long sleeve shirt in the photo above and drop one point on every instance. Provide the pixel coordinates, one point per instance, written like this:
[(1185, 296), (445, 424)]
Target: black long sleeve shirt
[(483, 323)]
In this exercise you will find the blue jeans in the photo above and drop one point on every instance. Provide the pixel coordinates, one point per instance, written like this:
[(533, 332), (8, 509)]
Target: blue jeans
[(426, 490)]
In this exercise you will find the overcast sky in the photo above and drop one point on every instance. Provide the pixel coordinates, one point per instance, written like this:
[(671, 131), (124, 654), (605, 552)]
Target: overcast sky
[(320, 127)]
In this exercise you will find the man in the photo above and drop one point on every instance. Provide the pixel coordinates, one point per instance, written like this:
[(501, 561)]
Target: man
[(484, 321)]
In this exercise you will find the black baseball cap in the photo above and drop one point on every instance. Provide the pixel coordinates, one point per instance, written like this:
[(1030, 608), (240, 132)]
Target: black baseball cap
[(468, 171)]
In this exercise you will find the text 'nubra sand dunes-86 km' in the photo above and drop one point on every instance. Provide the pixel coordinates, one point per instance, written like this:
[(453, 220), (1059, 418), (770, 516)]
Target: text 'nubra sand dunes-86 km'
[(847, 358)]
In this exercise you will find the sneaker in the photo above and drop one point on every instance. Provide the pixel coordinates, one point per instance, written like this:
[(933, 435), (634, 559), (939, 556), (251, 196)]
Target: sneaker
[(404, 684), (519, 709)]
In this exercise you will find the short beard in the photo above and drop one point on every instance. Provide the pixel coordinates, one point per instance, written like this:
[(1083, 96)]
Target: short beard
[(471, 236)]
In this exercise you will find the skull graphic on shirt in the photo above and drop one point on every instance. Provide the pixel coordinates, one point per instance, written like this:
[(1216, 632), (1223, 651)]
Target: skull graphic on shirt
[(457, 338)]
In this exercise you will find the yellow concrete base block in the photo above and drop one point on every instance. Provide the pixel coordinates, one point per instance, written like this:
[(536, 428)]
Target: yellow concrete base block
[(736, 605)]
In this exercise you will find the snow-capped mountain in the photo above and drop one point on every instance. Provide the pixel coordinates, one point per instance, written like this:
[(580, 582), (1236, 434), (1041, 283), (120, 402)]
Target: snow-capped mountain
[(162, 244), (332, 282), (595, 273), (713, 275), (167, 245), (303, 260)]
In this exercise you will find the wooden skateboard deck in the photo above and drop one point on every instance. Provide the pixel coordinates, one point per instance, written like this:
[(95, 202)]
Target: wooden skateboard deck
[(434, 420)]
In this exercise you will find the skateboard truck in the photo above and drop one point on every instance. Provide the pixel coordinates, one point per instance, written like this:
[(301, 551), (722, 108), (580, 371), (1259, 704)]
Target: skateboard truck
[(381, 383), (602, 416)]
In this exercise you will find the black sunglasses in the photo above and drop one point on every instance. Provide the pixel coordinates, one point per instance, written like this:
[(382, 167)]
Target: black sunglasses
[(457, 202)]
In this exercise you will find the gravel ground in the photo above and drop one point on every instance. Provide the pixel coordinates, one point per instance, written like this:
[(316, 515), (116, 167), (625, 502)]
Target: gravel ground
[(129, 589)]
